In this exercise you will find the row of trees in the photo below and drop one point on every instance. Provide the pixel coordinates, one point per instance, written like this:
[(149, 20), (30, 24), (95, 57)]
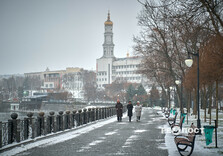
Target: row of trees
[(125, 92), (170, 32), (14, 86)]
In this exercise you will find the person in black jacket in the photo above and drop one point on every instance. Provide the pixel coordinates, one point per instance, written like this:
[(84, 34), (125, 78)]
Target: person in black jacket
[(130, 107), (119, 108)]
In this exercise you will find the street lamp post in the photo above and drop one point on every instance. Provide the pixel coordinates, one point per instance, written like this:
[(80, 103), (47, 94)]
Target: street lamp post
[(181, 94), (189, 63)]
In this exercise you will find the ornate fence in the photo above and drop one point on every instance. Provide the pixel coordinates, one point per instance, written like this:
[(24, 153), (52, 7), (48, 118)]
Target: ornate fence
[(16, 130)]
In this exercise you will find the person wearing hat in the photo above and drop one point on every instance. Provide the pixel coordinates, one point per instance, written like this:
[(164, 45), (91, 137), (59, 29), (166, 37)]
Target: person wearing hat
[(130, 107), (138, 110), (119, 108)]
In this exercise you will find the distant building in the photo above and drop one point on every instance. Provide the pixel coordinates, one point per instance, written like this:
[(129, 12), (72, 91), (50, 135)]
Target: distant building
[(14, 106), (69, 80), (52, 79), (109, 68)]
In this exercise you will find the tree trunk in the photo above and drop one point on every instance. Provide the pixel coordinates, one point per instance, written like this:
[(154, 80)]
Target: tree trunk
[(205, 104)]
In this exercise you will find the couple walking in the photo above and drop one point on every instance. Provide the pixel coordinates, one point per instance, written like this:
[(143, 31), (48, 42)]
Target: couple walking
[(138, 110)]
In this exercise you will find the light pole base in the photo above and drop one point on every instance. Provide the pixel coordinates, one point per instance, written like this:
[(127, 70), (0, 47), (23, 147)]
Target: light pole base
[(199, 127)]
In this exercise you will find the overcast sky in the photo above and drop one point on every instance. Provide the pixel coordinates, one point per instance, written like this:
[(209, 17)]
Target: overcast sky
[(36, 34)]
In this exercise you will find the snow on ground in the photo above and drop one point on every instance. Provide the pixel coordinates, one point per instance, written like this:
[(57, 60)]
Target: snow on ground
[(200, 145)]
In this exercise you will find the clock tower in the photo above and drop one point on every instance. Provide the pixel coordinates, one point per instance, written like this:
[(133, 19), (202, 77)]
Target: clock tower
[(108, 46)]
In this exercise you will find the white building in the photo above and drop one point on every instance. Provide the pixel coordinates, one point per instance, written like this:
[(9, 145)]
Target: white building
[(14, 106), (109, 68)]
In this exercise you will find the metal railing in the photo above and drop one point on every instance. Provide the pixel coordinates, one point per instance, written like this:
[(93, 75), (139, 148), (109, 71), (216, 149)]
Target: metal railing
[(17, 130)]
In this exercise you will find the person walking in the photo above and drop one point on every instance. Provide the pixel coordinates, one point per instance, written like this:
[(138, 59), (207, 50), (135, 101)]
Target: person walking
[(138, 110), (119, 108), (130, 107)]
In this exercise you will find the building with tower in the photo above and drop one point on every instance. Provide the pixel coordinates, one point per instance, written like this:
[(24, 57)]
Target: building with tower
[(109, 68)]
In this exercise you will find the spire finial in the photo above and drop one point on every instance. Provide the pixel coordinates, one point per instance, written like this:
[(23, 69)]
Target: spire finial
[(108, 22), (108, 15)]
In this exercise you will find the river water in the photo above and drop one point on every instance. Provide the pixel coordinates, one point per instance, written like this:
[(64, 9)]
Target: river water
[(5, 116)]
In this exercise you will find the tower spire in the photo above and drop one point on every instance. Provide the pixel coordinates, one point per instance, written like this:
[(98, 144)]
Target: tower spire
[(108, 46), (108, 22), (108, 15)]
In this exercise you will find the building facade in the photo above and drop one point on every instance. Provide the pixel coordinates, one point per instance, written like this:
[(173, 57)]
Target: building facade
[(70, 80), (109, 68)]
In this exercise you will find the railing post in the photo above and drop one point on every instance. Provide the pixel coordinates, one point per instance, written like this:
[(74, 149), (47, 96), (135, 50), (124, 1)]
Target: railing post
[(100, 113), (10, 132), (105, 112), (85, 116), (12, 128), (26, 128), (96, 114), (50, 122), (93, 114), (89, 115), (79, 117), (110, 111), (67, 120), (31, 125), (40, 124), (17, 129), (73, 118), (60, 121)]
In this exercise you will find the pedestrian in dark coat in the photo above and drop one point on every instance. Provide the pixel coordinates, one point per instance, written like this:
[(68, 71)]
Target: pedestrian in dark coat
[(119, 108), (130, 107)]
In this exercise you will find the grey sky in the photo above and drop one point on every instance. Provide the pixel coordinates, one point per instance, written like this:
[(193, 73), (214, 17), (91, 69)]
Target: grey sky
[(35, 34)]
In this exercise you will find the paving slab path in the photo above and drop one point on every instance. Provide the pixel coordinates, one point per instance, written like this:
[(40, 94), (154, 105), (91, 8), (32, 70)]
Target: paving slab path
[(110, 137)]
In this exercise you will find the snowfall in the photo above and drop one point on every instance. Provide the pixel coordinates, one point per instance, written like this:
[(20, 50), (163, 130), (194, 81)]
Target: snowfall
[(200, 145)]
